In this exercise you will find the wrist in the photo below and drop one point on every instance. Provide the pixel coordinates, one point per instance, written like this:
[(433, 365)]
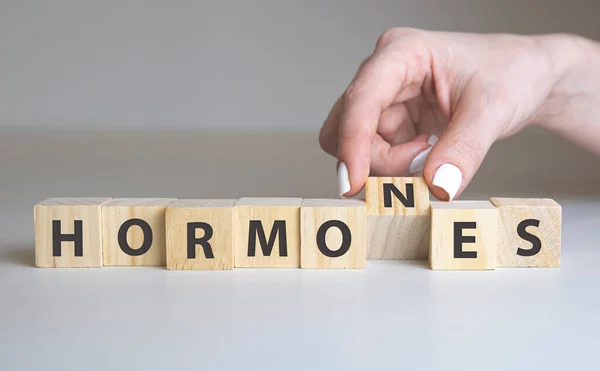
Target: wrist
[(574, 66)]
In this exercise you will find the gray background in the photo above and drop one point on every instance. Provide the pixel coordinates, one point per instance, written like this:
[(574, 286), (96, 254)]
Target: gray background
[(226, 65), (224, 99)]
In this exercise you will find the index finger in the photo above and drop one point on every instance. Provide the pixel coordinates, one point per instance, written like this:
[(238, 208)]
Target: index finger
[(375, 87)]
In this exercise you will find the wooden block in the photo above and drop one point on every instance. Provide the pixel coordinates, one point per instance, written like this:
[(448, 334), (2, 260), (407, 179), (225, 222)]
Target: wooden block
[(463, 235), (267, 232), (403, 237), (529, 232), (397, 196), (333, 233), (200, 234), (398, 218), (133, 231), (68, 232)]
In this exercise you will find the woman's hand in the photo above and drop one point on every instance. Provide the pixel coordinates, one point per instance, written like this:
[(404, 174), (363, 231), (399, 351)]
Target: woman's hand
[(468, 89)]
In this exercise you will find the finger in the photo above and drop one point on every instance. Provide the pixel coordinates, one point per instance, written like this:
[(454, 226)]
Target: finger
[(459, 152), (395, 160), (375, 87), (394, 127), (423, 138)]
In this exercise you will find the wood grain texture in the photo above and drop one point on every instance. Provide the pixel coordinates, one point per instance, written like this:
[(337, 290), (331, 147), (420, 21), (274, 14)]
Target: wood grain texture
[(443, 217), (374, 196), (267, 211), (219, 215), (511, 212), (67, 211), (314, 213), (398, 237), (120, 210)]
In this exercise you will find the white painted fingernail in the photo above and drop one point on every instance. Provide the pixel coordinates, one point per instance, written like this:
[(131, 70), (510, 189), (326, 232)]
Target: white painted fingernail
[(449, 178), (418, 162), (343, 179)]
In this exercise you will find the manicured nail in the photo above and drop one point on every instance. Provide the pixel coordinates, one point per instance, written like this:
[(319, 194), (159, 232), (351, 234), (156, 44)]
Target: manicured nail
[(449, 178), (419, 161), (343, 179)]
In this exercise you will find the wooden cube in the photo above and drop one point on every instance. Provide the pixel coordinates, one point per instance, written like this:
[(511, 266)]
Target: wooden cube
[(398, 218), (200, 234), (529, 232), (463, 235), (267, 232), (133, 231), (333, 233), (397, 196), (399, 237), (68, 232)]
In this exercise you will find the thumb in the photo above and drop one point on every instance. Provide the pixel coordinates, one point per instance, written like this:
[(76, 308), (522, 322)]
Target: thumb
[(459, 152)]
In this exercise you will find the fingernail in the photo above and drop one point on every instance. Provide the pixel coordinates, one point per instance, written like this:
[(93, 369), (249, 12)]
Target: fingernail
[(448, 177), (343, 179), (418, 162)]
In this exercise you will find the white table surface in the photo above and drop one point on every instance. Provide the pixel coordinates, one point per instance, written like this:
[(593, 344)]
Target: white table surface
[(395, 315)]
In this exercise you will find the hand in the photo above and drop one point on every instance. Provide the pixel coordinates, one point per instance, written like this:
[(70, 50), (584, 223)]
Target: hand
[(468, 89)]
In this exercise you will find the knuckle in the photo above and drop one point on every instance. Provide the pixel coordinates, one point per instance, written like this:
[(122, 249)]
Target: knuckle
[(327, 141), (324, 145), (322, 141), (387, 37), (392, 34)]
